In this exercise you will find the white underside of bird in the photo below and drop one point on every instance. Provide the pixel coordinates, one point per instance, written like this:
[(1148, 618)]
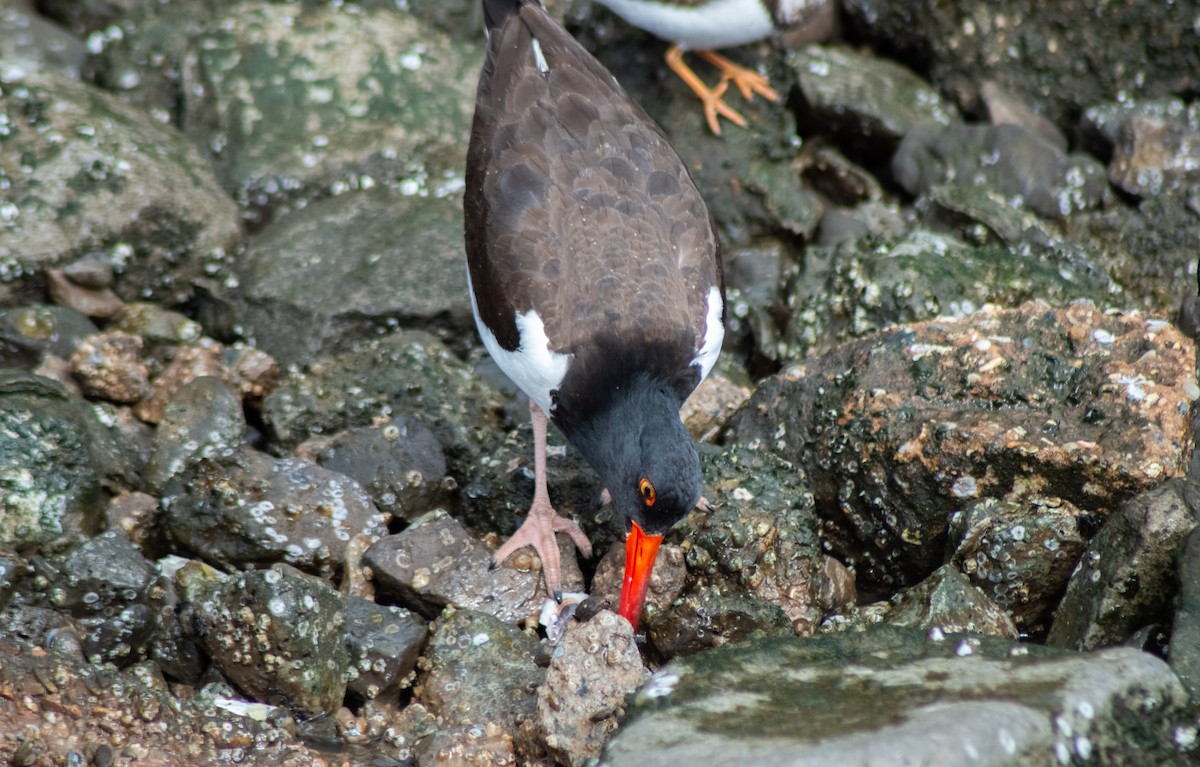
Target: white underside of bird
[(717, 24)]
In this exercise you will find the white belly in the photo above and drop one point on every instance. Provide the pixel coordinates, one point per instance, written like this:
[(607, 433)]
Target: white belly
[(723, 24)]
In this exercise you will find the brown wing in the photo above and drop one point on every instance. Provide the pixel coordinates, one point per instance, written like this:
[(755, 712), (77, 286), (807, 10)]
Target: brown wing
[(578, 200)]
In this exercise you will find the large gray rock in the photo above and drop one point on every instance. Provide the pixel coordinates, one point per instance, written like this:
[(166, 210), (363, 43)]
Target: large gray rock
[(894, 696), (84, 171), (346, 267)]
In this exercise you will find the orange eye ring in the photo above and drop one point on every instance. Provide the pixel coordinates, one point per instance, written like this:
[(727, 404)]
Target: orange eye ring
[(647, 491)]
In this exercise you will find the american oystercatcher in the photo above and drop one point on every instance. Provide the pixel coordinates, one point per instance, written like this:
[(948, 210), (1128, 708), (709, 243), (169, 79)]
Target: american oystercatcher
[(595, 276), (702, 25)]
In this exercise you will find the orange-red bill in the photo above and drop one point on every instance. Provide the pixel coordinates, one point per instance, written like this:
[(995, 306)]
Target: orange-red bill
[(640, 552)]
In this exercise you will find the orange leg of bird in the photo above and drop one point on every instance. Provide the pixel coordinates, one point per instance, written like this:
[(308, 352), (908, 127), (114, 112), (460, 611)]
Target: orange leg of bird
[(710, 97), (748, 81)]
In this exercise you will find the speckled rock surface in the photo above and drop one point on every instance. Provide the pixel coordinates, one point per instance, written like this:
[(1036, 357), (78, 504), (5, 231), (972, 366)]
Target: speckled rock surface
[(591, 671), (278, 634), (384, 643), (1083, 405), (247, 508), (947, 602), (1124, 578), (203, 420), (991, 701), (437, 562), (113, 180)]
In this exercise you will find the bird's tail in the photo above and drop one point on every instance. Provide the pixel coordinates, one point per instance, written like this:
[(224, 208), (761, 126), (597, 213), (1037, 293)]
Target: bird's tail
[(496, 12)]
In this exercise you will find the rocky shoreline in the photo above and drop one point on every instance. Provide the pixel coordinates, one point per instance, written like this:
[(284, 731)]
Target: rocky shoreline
[(253, 458)]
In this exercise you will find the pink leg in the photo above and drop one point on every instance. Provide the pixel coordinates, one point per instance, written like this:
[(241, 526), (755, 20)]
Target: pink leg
[(543, 521)]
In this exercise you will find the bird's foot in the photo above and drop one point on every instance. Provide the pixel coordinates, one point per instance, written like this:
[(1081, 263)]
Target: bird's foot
[(711, 98), (747, 81), (538, 531)]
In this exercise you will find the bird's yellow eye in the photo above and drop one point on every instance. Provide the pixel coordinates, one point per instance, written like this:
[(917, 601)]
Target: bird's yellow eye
[(647, 491)]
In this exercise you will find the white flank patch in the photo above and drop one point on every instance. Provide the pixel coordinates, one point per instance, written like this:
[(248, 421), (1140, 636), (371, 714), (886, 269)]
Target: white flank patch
[(533, 366), (539, 58), (714, 334), (723, 23)]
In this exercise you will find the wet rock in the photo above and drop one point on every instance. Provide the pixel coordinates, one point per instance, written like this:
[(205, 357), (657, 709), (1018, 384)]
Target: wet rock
[(898, 431), (36, 626), (893, 696), (12, 570), (399, 463), (203, 420), (708, 617), (436, 562), (498, 487), (480, 675), (27, 333), (248, 508), (1126, 577), (713, 403), (591, 671), (869, 103), (922, 275), (367, 98), (762, 538), (85, 171), (1051, 56), (155, 324), (1155, 157), (173, 647), (28, 43), (94, 302), (1008, 159), (110, 366), (68, 709), (384, 643), (1003, 108), (1119, 236), (1100, 125), (110, 589), (948, 602), (48, 465), (346, 268), (278, 634), (404, 373), (1184, 653), (1021, 554), (185, 365)]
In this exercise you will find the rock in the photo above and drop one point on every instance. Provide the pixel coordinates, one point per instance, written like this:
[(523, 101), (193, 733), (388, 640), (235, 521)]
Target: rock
[(1021, 554), (436, 562), (27, 333), (400, 464), (480, 674), (110, 366), (404, 373), (112, 592), (28, 43), (203, 420), (347, 267), (1155, 157), (1184, 652), (278, 634), (384, 643), (86, 171), (372, 93), (947, 602), (919, 276), (894, 696), (154, 324), (247, 508), (1056, 57), (898, 431), (869, 103), (591, 671), (186, 364), (12, 569), (712, 404), (1126, 577), (48, 462), (100, 302), (78, 708), (1003, 108), (1008, 159), (709, 617)]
